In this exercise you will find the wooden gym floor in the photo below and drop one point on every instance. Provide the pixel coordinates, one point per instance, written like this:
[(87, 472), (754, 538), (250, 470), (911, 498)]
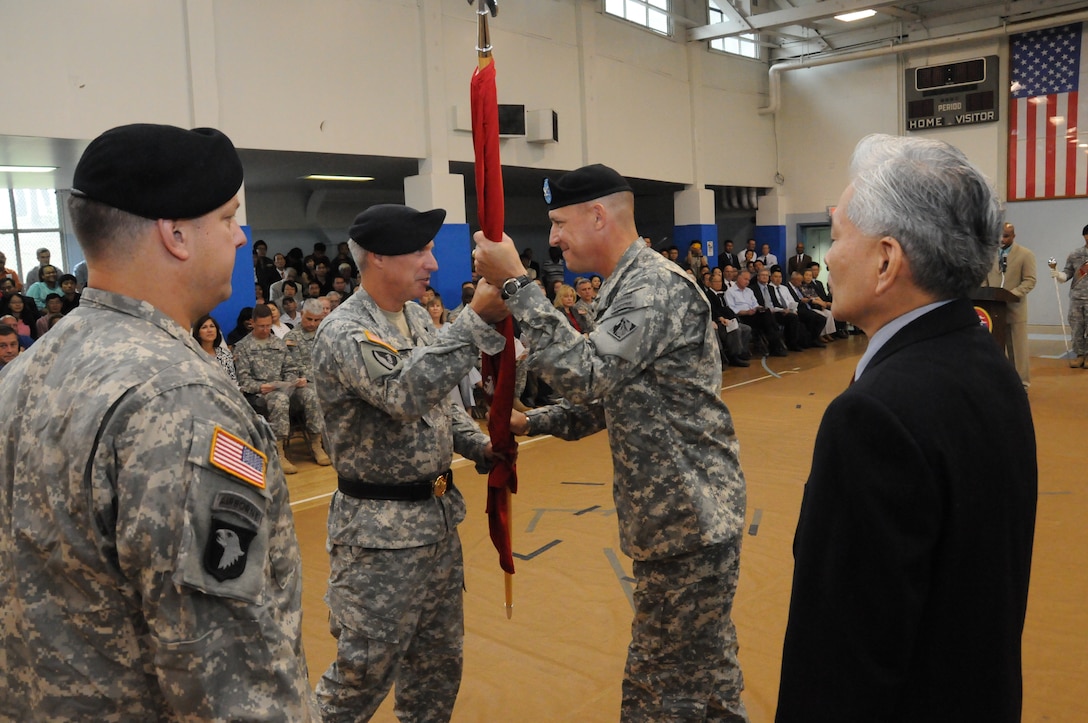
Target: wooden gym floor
[(561, 656)]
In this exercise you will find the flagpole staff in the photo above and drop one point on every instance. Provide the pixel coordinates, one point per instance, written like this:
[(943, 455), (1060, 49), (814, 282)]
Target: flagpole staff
[(484, 59), (1053, 263)]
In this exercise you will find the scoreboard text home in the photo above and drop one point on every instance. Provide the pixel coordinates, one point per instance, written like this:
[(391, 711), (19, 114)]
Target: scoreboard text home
[(952, 94)]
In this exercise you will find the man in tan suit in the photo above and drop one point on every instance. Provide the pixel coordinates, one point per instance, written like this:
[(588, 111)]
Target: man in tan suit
[(1014, 271)]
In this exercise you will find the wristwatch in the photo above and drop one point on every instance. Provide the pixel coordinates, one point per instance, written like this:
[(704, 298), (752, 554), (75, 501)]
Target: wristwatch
[(514, 285)]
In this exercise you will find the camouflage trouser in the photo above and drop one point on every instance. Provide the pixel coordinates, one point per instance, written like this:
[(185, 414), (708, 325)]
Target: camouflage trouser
[(280, 404), (1078, 324), (398, 617), (682, 661)]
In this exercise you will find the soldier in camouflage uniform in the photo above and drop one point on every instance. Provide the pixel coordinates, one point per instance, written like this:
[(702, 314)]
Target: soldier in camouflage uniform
[(384, 373), (1076, 271), (270, 378), (148, 562), (300, 341), (652, 377)]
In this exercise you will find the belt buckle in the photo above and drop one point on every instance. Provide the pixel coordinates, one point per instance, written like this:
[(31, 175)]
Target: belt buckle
[(438, 487)]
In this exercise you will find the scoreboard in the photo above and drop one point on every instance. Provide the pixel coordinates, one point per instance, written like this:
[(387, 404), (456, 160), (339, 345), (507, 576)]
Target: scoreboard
[(952, 94)]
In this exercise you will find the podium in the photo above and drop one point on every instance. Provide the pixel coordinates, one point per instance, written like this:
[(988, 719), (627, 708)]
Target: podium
[(990, 302)]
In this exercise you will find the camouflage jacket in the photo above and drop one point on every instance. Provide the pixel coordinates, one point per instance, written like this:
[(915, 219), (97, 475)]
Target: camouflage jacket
[(1078, 285), (263, 361), (651, 373), (388, 417), (148, 560), (300, 347)]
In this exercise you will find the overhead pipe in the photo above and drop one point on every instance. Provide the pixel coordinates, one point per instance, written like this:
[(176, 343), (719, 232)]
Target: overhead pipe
[(774, 75)]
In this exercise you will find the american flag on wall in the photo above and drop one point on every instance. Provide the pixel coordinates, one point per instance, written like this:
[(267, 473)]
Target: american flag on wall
[(1045, 157)]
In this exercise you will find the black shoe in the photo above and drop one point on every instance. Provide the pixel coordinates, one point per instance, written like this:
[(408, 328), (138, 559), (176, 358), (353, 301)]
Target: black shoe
[(779, 352), (796, 347), (818, 345), (735, 362)]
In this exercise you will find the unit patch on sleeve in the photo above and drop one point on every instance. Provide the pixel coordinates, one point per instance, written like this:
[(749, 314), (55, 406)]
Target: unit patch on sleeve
[(379, 357), (226, 550), (620, 334), (238, 459)]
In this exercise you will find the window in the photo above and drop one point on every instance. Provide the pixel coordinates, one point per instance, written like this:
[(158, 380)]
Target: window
[(745, 45), (652, 14), (30, 220)]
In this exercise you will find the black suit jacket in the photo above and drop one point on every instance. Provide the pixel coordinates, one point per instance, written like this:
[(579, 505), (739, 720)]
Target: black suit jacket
[(792, 265), (718, 307), (914, 542), (730, 259)]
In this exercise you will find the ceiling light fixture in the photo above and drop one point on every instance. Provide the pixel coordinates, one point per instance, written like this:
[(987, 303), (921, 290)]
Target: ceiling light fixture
[(27, 169), (859, 15), (327, 177)]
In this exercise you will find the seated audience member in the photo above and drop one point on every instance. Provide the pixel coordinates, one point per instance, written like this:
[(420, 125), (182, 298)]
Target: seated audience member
[(80, 272), (291, 315), (826, 295), (742, 301), (468, 290), (326, 304), (7, 288), (69, 287), (334, 299), (242, 326), (343, 258), (811, 294), (317, 255), (278, 290), (34, 275), (342, 286), (734, 338), (207, 333), (595, 280), (766, 257), (564, 301), (586, 305), (322, 275), (9, 345), (278, 327), (767, 296), (295, 261), (268, 377), (25, 312), (25, 340), (812, 324), (695, 261), (258, 295), (48, 285), (300, 340), (6, 273), (53, 304), (313, 290)]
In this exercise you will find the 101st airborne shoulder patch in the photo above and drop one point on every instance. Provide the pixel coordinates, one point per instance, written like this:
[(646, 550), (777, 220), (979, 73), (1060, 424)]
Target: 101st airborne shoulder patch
[(237, 458), (379, 357)]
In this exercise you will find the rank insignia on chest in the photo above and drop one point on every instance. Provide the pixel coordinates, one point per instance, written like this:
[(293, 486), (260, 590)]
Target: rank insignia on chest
[(226, 550), (238, 459)]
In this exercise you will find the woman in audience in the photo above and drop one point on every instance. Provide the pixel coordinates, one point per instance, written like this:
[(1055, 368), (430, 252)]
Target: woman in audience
[(243, 326), (564, 301), (278, 327), (207, 333), (25, 311), (437, 311)]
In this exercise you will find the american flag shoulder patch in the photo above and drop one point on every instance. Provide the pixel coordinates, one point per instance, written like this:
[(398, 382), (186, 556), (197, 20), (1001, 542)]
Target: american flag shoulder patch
[(235, 457)]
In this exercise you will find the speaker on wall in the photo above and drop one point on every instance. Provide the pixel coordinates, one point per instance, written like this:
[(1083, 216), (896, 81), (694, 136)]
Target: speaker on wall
[(511, 120), (542, 126)]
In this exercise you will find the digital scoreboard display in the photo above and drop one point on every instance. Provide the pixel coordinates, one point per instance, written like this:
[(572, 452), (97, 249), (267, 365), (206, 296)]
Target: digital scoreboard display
[(952, 94)]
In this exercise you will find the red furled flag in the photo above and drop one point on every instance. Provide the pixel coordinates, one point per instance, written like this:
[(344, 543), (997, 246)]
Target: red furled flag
[(498, 369), (1045, 110)]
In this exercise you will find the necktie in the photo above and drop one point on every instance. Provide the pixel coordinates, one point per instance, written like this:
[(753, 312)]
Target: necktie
[(774, 298)]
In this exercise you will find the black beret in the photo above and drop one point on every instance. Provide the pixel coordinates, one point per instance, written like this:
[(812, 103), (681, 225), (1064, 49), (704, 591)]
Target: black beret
[(393, 230), (159, 171), (584, 184), (1084, 231)]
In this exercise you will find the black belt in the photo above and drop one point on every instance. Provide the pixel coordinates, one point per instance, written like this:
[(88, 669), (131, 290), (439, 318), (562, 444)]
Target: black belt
[(409, 491)]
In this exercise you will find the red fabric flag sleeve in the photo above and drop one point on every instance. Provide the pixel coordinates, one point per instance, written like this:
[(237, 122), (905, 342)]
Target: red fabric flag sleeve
[(498, 369)]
